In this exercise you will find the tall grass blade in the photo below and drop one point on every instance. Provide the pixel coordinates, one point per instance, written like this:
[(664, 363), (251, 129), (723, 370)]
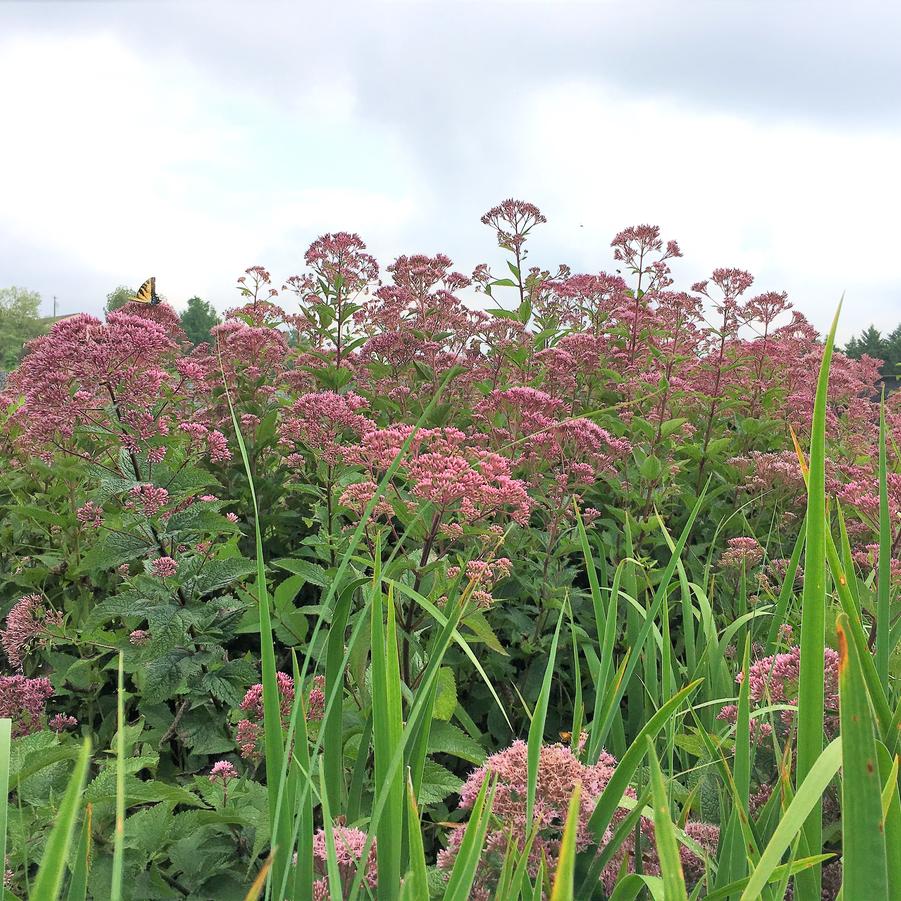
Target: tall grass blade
[(792, 823), (610, 798), (891, 811), (864, 864), (417, 879), (5, 749), (664, 836), (813, 616), (49, 880), (387, 726), (634, 885), (883, 586), (733, 864), (463, 873), (536, 728), (78, 881), (273, 739), (331, 855), (616, 693), (564, 878), (119, 830)]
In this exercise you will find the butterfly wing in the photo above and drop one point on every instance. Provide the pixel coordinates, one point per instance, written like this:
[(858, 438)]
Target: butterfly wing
[(147, 292)]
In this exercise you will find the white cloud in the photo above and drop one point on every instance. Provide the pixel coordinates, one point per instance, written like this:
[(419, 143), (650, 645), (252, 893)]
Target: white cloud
[(803, 208), (191, 165)]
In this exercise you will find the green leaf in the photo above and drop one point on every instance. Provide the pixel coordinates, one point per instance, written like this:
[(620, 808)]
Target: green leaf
[(864, 862), (651, 469), (217, 574), (792, 823), (115, 549), (311, 572), (446, 699), (664, 836), (446, 738), (437, 783), (49, 880), (564, 878)]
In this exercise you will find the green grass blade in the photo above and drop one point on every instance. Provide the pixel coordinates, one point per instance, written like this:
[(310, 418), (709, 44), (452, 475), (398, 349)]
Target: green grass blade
[(273, 738), (792, 823), (610, 798), (616, 693), (891, 808), (78, 881), (883, 587), (607, 643), (633, 885), (417, 878), (564, 878), (813, 615), (536, 728), (667, 846), (334, 683), (5, 748), (864, 864), (463, 873), (783, 871), (733, 864), (303, 871), (331, 855), (387, 726), (119, 829), (49, 879), (786, 591)]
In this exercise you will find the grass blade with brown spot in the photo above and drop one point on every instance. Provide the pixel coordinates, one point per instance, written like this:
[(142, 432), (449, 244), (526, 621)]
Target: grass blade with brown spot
[(864, 862)]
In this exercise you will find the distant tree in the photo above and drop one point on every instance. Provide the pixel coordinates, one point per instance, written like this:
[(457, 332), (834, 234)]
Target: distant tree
[(118, 298), (886, 348), (19, 323), (198, 319)]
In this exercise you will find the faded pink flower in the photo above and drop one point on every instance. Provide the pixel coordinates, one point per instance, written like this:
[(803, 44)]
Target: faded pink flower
[(22, 700), (349, 846), (164, 567), (223, 771), (26, 627), (90, 514), (60, 722)]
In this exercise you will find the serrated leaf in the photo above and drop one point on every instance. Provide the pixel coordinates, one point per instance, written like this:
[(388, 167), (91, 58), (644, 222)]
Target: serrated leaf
[(218, 574), (115, 549), (312, 572), (205, 733), (146, 830), (482, 631), (446, 738), (198, 519), (437, 783), (162, 677)]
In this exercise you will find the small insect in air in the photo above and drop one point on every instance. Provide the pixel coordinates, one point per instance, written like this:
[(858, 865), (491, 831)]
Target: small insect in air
[(147, 293)]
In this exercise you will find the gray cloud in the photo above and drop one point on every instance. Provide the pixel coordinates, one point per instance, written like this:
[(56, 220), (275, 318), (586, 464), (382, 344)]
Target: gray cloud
[(451, 86)]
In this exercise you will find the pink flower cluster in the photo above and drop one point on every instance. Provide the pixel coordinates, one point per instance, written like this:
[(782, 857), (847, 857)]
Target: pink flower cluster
[(559, 770), (774, 680), (249, 733), (23, 700), (26, 627), (483, 574), (349, 846), (741, 553)]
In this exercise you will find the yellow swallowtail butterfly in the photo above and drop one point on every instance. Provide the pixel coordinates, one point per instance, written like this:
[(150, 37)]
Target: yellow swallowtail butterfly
[(147, 293)]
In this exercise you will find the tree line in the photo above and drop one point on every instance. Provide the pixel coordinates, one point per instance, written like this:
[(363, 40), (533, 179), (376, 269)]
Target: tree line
[(21, 319)]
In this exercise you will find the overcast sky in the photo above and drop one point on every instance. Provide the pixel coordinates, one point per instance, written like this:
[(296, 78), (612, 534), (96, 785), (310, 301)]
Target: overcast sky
[(192, 140)]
